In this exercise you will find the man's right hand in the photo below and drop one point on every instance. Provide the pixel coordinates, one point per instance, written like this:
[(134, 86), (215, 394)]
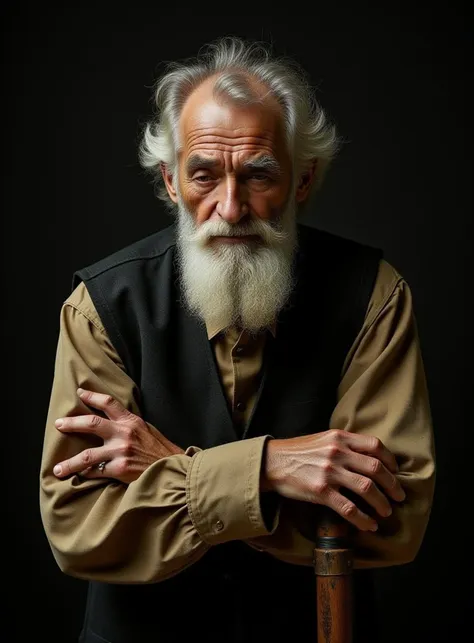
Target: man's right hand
[(312, 468)]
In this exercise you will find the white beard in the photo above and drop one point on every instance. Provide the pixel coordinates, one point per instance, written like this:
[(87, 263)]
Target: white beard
[(241, 284)]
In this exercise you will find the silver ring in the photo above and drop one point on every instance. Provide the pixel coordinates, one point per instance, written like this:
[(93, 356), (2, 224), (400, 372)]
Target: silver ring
[(101, 466)]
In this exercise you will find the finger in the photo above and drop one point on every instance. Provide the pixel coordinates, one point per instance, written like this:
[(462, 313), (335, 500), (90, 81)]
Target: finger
[(350, 511), (368, 491), (85, 424), (82, 461), (115, 468), (94, 473), (374, 469), (106, 403), (373, 446)]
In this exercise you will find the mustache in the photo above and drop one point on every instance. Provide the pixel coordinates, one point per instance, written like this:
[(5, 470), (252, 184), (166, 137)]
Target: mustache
[(271, 234)]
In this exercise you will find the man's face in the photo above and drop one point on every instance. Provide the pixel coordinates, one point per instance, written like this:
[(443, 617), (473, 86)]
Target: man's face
[(236, 211), (233, 164)]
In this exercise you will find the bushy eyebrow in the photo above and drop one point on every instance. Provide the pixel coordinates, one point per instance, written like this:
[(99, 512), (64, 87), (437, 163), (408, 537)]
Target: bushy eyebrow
[(262, 163), (196, 162)]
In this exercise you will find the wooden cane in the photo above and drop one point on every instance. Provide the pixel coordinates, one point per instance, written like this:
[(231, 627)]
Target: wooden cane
[(333, 564)]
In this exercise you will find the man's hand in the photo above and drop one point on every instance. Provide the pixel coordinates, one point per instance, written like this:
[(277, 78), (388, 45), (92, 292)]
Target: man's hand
[(312, 468), (129, 448)]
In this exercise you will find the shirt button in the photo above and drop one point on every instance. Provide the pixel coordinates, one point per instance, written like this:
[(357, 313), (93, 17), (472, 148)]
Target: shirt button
[(240, 406), (219, 525), (239, 350)]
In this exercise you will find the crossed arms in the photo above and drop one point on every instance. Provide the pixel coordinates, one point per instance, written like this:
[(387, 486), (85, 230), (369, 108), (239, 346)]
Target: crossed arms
[(155, 510)]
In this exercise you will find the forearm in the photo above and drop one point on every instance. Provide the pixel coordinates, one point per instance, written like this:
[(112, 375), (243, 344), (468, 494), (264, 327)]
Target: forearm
[(161, 523), (111, 532), (382, 393), (101, 529)]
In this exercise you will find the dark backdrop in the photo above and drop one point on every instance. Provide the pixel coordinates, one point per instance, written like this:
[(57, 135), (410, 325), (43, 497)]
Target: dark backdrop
[(77, 91)]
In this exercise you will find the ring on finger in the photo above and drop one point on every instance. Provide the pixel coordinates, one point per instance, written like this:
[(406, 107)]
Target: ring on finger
[(101, 466)]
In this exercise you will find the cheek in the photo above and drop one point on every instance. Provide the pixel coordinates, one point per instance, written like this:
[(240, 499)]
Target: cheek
[(200, 205), (267, 205), (262, 208)]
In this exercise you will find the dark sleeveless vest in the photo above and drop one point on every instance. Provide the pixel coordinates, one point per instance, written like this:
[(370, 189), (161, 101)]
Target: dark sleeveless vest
[(234, 593)]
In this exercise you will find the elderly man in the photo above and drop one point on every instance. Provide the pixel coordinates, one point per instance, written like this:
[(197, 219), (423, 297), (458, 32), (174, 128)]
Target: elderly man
[(219, 380)]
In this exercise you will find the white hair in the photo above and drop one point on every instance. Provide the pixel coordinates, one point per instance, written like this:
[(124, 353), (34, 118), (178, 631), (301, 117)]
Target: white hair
[(237, 65)]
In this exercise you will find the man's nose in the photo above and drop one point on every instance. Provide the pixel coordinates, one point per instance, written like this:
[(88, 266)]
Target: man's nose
[(231, 205)]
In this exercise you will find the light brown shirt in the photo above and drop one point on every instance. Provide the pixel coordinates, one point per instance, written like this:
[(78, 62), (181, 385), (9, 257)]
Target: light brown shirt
[(181, 505)]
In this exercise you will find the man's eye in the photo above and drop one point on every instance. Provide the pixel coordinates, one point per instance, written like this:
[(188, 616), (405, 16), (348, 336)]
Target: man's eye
[(259, 177), (203, 178)]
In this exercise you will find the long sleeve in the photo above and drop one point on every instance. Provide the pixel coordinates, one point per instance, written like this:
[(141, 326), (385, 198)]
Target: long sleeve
[(163, 522), (382, 393)]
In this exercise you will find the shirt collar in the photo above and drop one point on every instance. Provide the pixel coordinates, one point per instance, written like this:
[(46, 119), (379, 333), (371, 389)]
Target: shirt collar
[(212, 331)]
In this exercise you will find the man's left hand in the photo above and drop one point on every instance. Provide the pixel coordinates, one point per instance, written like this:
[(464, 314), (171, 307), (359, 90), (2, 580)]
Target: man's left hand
[(130, 445)]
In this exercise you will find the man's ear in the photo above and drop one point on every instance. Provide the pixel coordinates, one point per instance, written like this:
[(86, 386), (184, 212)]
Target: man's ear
[(307, 179), (168, 180)]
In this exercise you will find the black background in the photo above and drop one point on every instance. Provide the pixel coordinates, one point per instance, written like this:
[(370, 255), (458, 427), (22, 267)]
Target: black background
[(77, 90)]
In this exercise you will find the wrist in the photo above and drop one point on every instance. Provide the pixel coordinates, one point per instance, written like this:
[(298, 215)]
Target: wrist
[(269, 471)]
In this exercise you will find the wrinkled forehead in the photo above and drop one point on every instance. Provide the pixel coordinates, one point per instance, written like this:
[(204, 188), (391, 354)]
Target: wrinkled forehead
[(218, 125)]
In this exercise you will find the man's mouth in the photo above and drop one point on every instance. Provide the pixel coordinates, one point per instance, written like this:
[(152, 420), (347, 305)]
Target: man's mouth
[(249, 238)]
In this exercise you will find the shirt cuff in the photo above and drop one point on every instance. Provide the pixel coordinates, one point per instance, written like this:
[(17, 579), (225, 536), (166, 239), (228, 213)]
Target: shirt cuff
[(223, 492)]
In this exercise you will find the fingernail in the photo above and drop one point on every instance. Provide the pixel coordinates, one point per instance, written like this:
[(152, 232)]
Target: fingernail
[(58, 423), (80, 391), (388, 512), (57, 470), (374, 527)]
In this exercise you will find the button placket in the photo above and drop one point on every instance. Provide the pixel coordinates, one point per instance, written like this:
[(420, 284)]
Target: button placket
[(238, 351), (235, 368)]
